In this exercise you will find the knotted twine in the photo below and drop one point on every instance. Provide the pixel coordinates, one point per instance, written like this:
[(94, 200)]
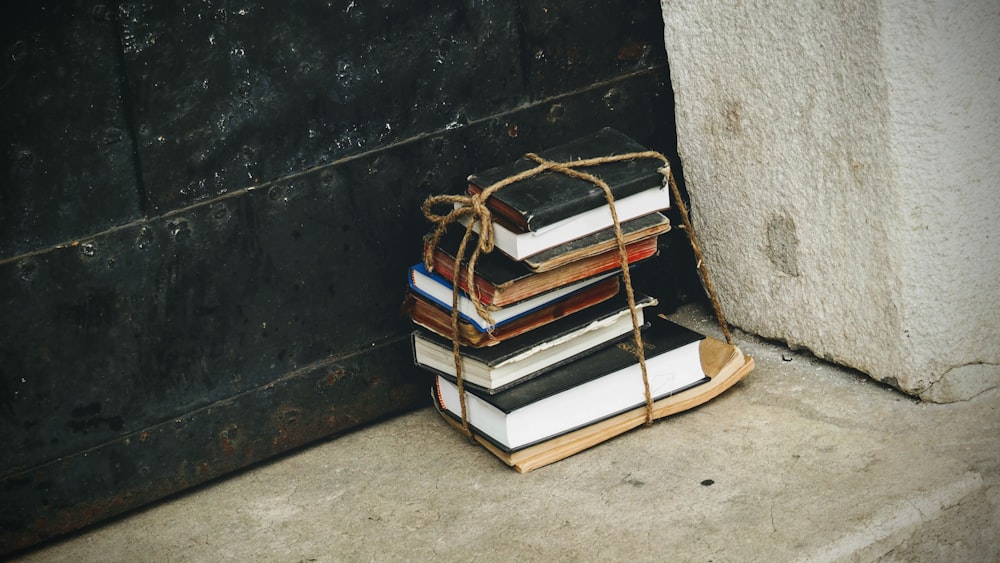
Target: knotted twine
[(473, 209)]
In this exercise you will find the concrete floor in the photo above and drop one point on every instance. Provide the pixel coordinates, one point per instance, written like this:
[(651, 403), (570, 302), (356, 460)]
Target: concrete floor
[(802, 461)]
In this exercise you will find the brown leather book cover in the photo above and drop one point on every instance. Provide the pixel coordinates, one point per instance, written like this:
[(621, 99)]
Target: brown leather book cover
[(502, 281)]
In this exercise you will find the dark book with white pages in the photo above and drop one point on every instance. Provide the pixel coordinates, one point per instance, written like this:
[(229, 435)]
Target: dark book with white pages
[(542, 201), (583, 392), (493, 369)]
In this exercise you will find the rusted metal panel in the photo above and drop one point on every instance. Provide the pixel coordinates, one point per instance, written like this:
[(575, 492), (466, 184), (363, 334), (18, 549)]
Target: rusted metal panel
[(139, 467)]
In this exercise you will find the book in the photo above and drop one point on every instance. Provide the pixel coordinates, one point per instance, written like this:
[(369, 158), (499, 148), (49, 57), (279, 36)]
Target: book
[(521, 246), (529, 355), (580, 393), (550, 198), (437, 319), (724, 364), (633, 230), (436, 288), (501, 281)]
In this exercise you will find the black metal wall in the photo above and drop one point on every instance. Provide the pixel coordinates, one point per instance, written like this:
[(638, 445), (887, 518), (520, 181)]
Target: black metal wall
[(207, 209)]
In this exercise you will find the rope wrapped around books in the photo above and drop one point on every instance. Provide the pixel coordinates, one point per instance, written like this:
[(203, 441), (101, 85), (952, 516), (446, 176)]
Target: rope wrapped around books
[(473, 208)]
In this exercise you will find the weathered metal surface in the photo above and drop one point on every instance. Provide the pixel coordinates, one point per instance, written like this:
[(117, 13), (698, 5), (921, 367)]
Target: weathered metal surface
[(255, 309), (145, 465), (230, 96), (67, 161)]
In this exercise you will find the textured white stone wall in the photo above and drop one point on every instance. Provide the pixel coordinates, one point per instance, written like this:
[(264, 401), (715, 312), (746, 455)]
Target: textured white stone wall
[(843, 161)]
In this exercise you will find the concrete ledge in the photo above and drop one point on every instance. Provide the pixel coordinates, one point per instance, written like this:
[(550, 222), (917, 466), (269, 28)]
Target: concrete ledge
[(904, 525), (801, 461)]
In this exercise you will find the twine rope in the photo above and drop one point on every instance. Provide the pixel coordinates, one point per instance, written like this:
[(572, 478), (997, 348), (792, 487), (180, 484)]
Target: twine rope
[(472, 208)]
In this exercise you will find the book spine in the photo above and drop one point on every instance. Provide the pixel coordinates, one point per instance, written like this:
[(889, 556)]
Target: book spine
[(445, 266), (506, 215)]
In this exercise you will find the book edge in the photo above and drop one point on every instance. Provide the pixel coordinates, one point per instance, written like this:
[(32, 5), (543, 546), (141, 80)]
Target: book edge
[(727, 361), (617, 143), (522, 246), (542, 300)]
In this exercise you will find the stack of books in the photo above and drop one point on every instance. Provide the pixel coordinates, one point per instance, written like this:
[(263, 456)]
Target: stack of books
[(555, 369)]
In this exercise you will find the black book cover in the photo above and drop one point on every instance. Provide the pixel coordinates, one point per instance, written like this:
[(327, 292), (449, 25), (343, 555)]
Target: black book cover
[(507, 349), (550, 197), (661, 337)]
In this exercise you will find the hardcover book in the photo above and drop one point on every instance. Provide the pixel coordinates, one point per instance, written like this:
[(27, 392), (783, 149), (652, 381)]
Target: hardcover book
[(551, 197), (521, 246), (435, 288), (724, 365), (437, 319), (502, 281), (577, 394), (529, 355), (601, 241)]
